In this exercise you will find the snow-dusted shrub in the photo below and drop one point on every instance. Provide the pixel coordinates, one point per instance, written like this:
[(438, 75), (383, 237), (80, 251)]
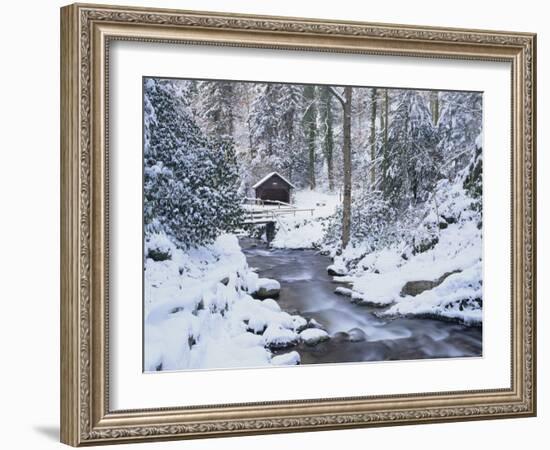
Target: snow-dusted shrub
[(372, 217), (158, 247), (472, 176)]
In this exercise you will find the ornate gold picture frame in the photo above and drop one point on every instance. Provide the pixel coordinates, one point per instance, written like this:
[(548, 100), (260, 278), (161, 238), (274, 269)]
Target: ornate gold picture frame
[(87, 32)]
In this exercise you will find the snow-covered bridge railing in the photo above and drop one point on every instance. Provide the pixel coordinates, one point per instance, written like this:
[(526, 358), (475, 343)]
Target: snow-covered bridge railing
[(250, 201), (258, 211)]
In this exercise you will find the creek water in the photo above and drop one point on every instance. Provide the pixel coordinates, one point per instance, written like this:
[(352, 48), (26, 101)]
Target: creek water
[(308, 290)]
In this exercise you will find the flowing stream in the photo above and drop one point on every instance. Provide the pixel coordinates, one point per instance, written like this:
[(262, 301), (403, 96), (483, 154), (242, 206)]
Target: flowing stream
[(308, 290)]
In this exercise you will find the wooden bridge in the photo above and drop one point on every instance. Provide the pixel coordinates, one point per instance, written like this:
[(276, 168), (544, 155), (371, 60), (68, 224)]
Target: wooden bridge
[(267, 212), (257, 211)]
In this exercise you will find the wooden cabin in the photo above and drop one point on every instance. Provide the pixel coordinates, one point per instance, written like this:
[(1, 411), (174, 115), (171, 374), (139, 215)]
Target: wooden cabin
[(273, 187)]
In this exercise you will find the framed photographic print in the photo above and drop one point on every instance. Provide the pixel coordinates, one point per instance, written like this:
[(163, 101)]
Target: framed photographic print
[(275, 224)]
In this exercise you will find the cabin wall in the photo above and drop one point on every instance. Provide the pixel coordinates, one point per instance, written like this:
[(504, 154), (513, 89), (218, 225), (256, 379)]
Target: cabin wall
[(278, 194), (274, 188)]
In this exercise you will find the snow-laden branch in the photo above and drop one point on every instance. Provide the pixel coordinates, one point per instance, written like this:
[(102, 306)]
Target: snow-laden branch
[(337, 94)]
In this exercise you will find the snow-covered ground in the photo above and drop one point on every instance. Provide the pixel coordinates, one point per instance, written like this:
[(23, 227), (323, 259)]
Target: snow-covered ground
[(306, 229), (324, 203), (200, 313), (382, 277), (443, 282)]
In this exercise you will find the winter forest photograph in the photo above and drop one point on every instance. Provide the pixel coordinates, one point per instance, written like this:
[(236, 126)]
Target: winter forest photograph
[(293, 224)]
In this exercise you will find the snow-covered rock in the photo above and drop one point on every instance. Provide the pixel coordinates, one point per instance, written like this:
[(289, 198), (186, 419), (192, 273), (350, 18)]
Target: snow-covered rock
[(312, 336), (286, 359), (312, 323), (257, 316), (413, 288), (337, 270), (275, 337), (356, 335), (340, 290), (266, 288), (299, 323), (340, 336), (457, 298)]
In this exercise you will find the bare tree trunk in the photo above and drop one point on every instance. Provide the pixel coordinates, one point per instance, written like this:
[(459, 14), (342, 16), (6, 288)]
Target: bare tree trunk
[(310, 119), (311, 145), (346, 216), (373, 137), (434, 103), (330, 169), (328, 136), (385, 153)]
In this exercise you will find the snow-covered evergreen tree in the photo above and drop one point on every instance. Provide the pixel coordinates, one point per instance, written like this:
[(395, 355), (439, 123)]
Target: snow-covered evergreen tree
[(215, 105), (264, 120), (414, 160), (190, 182), (290, 137), (458, 129)]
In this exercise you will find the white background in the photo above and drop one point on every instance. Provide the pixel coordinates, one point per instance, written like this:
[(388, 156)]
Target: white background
[(29, 182), (132, 389)]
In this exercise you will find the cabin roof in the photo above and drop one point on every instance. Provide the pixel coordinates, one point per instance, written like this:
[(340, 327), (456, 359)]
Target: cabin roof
[(268, 176)]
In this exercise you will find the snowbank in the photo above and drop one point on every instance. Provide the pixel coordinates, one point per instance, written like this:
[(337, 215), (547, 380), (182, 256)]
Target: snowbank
[(450, 272), (199, 312), (458, 297)]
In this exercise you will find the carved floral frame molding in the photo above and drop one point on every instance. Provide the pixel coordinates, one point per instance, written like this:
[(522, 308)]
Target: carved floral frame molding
[(86, 31)]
